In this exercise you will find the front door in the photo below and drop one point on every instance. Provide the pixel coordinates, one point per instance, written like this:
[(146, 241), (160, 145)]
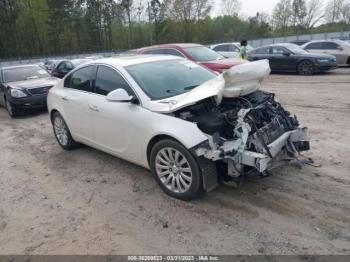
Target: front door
[(115, 125), (281, 59)]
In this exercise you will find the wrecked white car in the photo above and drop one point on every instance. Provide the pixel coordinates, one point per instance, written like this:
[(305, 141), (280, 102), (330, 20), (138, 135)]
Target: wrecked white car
[(191, 127)]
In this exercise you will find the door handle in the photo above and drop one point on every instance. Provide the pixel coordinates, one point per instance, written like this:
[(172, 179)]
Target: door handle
[(64, 98), (94, 108)]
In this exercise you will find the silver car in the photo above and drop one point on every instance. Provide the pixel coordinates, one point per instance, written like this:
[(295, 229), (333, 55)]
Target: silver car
[(340, 49), (229, 49), (186, 124)]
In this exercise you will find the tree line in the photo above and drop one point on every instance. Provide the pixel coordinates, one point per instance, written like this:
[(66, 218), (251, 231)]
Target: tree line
[(50, 27)]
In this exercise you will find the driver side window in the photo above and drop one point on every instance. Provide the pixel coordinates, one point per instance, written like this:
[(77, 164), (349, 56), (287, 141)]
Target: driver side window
[(107, 80), (278, 51)]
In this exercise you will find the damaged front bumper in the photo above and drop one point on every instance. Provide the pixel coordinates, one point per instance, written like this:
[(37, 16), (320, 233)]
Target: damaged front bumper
[(286, 147)]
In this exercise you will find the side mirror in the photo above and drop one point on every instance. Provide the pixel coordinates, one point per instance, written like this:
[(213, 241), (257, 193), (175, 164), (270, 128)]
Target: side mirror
[(119, 95), (340, 48), (286, 53)]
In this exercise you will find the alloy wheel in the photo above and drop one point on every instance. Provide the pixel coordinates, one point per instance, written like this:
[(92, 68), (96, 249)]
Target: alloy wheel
[(173, 170), (306, 68), (61, 131)]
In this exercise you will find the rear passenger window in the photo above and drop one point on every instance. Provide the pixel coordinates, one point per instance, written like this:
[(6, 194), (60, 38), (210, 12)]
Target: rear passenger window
[(154, 52), (221, 48), (108, 80), (172, 52), (233, 48), (329, 45), (81, 79)]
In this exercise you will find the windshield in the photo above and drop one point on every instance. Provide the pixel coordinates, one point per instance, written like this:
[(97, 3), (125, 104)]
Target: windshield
[(202, 53), (296, 49), (24, 73), (163, 79)]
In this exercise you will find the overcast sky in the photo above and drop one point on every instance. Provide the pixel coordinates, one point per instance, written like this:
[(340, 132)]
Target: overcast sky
[(250, 7)]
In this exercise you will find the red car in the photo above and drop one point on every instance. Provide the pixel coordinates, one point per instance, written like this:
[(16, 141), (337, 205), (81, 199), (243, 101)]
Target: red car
[(194, 52)]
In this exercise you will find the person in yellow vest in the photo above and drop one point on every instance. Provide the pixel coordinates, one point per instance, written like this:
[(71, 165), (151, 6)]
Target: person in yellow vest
[(243, 52)]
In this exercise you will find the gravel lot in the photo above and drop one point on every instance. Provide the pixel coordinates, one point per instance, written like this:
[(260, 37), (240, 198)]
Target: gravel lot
[(87, 202)]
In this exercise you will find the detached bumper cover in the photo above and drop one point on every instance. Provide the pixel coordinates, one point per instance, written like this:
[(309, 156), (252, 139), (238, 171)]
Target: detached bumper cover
[(262, 161), (265, 159)]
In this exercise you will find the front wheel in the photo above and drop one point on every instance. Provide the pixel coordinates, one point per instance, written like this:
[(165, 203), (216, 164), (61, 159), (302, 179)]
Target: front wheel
[(62, 133), (306, 68), (176, 170)]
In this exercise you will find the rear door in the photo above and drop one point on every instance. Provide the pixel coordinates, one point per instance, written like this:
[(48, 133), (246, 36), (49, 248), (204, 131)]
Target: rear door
[(332, 48), (315, 47), (76, 101)]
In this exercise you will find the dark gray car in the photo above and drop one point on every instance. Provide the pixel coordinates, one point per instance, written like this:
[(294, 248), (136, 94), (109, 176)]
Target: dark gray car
[(292, 58), (24, 87)]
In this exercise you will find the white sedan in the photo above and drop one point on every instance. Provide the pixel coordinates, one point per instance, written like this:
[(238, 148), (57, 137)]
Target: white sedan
[(188, 125)]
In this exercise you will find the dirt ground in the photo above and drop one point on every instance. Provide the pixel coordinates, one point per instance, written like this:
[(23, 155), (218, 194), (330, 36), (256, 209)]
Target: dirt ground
[(87, 202)]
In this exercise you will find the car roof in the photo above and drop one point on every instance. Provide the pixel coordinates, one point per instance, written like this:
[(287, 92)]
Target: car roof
[(176, 45), (325, 40), (128, 60)]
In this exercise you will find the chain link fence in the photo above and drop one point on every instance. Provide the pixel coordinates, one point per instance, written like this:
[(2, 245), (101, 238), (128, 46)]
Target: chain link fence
[(254, 43), (309, 37)]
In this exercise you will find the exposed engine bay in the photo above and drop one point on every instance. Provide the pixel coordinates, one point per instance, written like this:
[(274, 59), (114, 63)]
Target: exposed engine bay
[(246, 133)]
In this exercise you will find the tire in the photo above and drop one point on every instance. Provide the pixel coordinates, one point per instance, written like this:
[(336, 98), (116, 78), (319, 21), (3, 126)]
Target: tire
[(306, 68), (62, 133), (176, 170), (12, 111), (349, 61)]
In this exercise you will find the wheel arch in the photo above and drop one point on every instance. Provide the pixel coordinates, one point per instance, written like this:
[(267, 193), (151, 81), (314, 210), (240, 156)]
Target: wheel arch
[(52, 112), (207, 168), (155, 140)]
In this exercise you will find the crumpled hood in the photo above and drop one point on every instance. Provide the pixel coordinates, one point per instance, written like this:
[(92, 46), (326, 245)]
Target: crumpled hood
[(237, 81), (34, 83)]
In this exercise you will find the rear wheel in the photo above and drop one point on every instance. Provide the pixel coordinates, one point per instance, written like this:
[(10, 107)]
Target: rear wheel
[(306, 68), (62, 133), (349, 61), (176, 170)]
